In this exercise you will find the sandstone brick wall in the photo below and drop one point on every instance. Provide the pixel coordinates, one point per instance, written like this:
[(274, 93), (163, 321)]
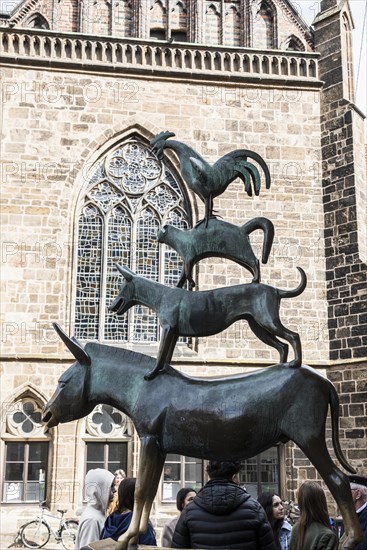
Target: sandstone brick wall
[(56, 123), (350, 381)]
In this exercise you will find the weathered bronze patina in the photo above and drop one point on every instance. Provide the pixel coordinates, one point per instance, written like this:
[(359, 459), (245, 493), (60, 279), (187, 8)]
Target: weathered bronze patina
[(184, 313), (227, 419), (219, 239), (230, 418), (209, 181)]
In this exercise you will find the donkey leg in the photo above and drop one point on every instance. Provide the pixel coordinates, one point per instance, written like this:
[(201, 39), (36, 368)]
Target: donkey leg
[(151, 463), (339, 486), (154, 476), (168, 340)]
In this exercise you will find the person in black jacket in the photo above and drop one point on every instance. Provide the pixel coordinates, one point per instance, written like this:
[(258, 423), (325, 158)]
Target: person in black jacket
[(223, 515)]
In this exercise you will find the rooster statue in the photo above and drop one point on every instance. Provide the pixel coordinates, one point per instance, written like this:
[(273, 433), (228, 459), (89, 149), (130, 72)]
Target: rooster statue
[(209, 181)]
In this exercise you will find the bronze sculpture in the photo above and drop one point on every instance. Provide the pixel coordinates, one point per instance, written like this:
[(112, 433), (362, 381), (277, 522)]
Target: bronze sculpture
[(219, 239), (209, 181), (230, 418), (227, 418), (184, 313)]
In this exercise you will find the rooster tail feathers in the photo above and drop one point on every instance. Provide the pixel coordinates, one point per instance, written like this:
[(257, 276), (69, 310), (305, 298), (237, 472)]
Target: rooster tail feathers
[(247, 179), (240, 158), (245, 168), (260, 161)]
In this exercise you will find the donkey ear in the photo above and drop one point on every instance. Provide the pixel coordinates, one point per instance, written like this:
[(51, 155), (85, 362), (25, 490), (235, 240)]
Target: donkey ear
[(74, 346), (125, 272)]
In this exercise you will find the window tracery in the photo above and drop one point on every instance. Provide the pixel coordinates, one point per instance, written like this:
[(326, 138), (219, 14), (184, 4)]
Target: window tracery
[(106, 421), (130, 195)]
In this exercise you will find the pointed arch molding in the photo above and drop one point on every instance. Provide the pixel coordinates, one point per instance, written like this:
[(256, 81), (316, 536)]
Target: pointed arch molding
[(26, 390), (296, 40), (24, 10), (107, 140), (99, 147)]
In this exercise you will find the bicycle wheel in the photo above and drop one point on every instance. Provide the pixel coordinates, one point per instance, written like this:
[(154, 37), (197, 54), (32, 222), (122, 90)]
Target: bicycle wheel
[(68, 534), (35, 534)]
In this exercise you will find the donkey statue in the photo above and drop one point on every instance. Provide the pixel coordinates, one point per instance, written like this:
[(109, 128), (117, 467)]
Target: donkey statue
[(230, 418), (184, 313)]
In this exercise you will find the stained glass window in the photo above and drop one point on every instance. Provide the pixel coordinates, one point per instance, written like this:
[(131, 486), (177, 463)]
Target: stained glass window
[(130, 195)]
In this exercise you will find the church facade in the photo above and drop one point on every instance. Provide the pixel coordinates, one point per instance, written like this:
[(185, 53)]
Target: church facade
[(86, 86)]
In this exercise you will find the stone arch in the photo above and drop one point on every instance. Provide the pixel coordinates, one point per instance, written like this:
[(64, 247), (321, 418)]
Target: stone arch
[(179, 22), (36, 21), (123, 18), (347, 55), (293, 43), (28, 389), (158, 20), (232, 26), (212, 25), (264, 25)]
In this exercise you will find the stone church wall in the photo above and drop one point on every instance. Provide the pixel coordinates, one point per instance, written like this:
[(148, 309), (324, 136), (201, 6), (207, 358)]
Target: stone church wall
[(57, 123)]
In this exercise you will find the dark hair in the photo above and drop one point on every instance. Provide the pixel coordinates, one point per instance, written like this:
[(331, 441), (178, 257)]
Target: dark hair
[(126, 494), (181, 495), (266, 501), (312, 504), (224, 470)]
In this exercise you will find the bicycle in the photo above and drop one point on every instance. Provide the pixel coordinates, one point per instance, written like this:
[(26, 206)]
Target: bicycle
[(37, 533)]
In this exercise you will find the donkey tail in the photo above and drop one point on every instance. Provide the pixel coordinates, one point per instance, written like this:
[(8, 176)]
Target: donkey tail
[(334, 408), (267, 227), (297, 291)]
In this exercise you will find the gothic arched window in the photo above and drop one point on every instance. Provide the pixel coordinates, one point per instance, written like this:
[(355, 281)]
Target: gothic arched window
[(264, 27), (158, 21), (129, 196), (232, 27), (37, 21), (212, 25), (294, 44), (26, 453), (108, 433), (347, 57), (179, 22), (123, 19)]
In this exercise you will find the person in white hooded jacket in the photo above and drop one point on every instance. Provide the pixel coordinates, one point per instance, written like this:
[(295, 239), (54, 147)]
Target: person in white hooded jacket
[(99, 489)]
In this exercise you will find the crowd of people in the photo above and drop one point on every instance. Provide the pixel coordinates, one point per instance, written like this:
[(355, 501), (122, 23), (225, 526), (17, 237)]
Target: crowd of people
[(222, 515)]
